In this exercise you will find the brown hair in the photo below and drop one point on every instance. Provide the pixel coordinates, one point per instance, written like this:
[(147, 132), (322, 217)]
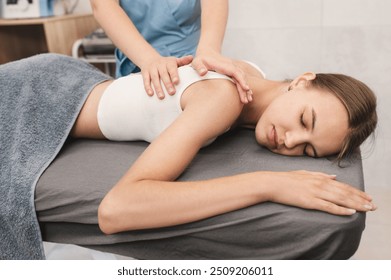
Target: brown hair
[(360, 102)]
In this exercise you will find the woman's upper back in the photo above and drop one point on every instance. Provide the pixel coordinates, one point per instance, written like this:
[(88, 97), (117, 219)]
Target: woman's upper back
[(127, 113)]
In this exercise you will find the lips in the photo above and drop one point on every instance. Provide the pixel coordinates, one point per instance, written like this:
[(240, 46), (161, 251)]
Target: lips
[(273, 138)]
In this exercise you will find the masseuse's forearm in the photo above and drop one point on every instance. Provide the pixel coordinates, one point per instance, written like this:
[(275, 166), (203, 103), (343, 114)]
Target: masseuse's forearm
[(122, 31), (151, 204), (213, 23)]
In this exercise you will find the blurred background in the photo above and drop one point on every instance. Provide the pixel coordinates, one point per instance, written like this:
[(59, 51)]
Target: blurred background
[(285, 38)]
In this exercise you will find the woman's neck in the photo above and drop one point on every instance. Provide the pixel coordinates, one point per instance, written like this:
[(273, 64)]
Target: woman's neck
[(264, 92)]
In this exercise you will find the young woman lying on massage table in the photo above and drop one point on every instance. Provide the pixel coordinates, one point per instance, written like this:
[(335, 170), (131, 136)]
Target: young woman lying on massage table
[(316, 115)]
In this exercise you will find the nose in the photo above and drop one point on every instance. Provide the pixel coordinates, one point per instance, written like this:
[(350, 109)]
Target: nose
[(295, 140)]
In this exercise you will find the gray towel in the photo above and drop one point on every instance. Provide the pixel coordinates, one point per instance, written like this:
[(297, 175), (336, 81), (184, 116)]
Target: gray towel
[(40, 99)]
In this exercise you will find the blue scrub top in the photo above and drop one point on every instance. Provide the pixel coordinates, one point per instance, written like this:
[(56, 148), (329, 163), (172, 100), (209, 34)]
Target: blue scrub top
[(172, 27)]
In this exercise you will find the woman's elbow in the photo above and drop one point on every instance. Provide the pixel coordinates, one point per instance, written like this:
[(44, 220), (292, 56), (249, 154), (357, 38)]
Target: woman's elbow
[(107, 216), (116, 214)]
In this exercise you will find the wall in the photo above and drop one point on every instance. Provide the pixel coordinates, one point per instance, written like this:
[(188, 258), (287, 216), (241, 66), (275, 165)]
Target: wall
[(353, 37), (83, 6)]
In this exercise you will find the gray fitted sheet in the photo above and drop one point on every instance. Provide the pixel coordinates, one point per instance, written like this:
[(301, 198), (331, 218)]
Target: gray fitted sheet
[(70, 190)]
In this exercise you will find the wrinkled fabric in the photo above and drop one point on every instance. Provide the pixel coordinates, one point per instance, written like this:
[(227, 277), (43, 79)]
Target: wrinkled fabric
[(40, 99)]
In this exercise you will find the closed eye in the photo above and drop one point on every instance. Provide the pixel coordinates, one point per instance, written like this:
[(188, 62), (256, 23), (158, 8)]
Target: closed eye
[(309, 151), (303, 125), (306, 146), (305, 150), (302, 120)]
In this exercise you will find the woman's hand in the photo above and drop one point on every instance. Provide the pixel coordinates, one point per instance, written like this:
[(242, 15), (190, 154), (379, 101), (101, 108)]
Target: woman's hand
[(319, 191), (214, 61), (163, 69)]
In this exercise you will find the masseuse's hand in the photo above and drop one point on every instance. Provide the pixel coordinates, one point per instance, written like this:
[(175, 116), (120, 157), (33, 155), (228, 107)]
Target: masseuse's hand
[(319, 191), (214, 61), (162, 69)]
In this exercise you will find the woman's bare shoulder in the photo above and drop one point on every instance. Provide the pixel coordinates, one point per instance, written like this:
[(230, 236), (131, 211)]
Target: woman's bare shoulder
[(214, 91)]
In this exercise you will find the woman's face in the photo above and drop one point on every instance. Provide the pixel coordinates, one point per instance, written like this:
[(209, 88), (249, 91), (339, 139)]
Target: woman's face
[(303, 121)]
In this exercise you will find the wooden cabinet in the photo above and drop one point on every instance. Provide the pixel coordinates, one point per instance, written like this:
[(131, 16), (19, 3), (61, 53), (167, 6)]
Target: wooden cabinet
[(20, 38)]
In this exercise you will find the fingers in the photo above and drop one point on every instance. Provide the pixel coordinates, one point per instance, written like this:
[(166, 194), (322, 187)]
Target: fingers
[(184, 60), (335, 209), (342, 199), (155, 78), (173, 76), (238, 75), (235, 72), (330, 176), (323, 192), (347, 193), (200, 67), (165, 72), (161, 76), (225, 67), (147, 83), (339, 209), (245, 96)]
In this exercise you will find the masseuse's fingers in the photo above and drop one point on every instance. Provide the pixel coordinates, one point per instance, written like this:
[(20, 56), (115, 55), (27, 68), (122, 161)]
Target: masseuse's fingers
[(184, 60), (245, 96), (200, 67), (147, 82), (172, 68), (155, 78), (164, 73), (225, 66), (236, 73), (169, 71)]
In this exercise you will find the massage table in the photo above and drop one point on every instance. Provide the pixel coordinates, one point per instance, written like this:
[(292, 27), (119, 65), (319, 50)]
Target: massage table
[(68, 194)]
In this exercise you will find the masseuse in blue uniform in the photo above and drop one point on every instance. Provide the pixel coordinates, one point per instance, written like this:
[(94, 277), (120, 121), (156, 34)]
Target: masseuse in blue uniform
[(156, 37)]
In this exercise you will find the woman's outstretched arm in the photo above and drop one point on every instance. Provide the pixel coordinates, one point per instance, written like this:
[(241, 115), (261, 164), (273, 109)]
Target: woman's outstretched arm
[(148, 197)]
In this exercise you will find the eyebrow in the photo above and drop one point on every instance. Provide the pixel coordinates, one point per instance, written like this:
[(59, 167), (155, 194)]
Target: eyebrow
[(313, 127)]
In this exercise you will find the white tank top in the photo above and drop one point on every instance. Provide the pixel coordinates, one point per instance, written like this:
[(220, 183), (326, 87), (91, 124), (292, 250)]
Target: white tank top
[(127, 113)]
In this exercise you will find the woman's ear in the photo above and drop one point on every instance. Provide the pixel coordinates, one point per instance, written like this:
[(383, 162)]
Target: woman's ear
[(302, 80)]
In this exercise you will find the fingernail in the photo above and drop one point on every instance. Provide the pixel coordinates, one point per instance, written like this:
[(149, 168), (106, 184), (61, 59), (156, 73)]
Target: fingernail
[(171, 90), (150, 92), (367, 206), (175, 80), (351, 211)]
